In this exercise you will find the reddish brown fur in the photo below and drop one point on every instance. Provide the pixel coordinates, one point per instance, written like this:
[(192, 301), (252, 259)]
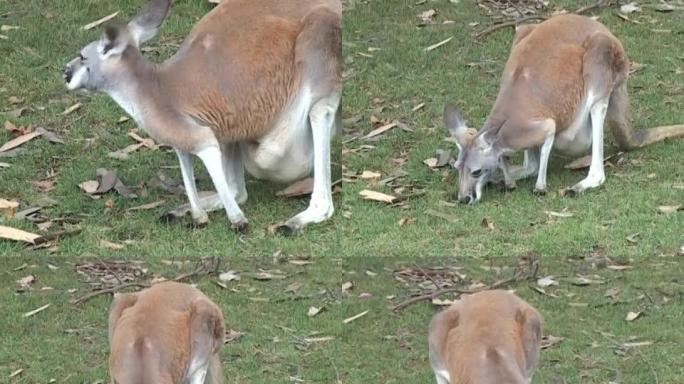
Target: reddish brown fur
[(487, 337), (550, 70), (240, 67), (157, 323)]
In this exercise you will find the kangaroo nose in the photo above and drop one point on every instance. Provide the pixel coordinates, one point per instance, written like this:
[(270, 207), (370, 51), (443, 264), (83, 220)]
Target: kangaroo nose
[(465, 199), (68, 73)]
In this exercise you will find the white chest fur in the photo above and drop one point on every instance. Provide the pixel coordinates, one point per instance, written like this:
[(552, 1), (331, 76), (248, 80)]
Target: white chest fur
[(576, 139), (286, 153)]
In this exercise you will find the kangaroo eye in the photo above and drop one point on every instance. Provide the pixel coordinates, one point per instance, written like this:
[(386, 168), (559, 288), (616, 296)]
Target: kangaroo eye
[(476, 173)]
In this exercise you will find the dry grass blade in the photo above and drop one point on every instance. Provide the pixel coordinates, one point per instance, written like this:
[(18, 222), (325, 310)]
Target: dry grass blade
[(437, 45), (355, 317), (381, 130), (100, 21), (35, 311)]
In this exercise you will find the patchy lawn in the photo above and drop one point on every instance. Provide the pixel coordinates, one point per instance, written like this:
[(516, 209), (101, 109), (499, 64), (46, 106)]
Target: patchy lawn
[(390, 77)]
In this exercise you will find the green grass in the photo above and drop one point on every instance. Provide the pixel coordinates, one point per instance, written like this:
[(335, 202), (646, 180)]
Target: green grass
[(68, 343), (400, 75)]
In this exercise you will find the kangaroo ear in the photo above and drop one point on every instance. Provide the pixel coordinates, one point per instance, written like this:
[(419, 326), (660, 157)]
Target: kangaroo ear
[(530, 323), (206, 329), (146, 24), (121, 302), (456, 124), (116, 39)]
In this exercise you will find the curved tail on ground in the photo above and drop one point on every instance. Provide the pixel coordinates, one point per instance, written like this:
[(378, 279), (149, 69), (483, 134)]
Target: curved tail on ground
[(625, 136)]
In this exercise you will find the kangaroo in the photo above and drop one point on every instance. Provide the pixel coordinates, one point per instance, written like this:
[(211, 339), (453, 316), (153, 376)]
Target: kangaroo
[(490, 337), (170, 333), (256, 85), (564, 78)]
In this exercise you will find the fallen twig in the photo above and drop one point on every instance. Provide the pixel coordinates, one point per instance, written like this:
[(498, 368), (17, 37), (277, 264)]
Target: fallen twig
[(514, 23), (519, 275), (206, 268)]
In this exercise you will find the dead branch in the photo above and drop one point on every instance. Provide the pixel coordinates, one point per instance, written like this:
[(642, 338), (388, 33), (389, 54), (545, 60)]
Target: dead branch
[(514, 23), (205, 268), (519, 275)]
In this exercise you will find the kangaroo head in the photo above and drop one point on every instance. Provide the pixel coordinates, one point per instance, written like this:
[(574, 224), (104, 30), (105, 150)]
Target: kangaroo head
[(103, 63), (477, 159)]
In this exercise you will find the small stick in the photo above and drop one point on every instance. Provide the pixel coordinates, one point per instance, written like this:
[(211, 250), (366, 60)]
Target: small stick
[(204, 269), (439, 292)]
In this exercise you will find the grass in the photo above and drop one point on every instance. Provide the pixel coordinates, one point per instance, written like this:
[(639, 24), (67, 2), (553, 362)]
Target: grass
[(363, 243), (388, 73)]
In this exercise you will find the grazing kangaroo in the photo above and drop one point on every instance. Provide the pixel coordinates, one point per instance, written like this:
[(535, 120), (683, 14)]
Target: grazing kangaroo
[(169, 333), (256, 85), (563, 78), (490, 337)]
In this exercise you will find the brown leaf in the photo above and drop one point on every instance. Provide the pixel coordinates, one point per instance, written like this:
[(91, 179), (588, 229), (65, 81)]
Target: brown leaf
[(347, 286), (107, 180), (298, 188), (406, 221), (14, 143), (431, 162), (49, 135), (549, 341), (44, 185), (15, 113), (147, 206), (428, 16), (381, 130), (8, 208), (377, 196), (232, 336), (487, 223), (18, 235)]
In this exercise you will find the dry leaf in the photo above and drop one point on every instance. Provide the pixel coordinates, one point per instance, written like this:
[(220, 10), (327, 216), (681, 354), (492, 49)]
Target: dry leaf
[(631, 316), (232, 336), (8, 207), (559, 214), (431, 162), (619, 267), (633, 238), (37, 310), (487, 223), (347, 286), (435, 46), (100, 21), (16, 373), (406, 221), (667, 209), (18, 235), (72, 109), (26, 281), (369, 175), (546, 281), (147, 206), (112, 246), (313, 311), (298, 188), (442, 302), (428, 16), (229, 276), (549, 341), (355, 317), (14, 143), (381, 130), (377, 196), (90, 186), (630, 8)]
